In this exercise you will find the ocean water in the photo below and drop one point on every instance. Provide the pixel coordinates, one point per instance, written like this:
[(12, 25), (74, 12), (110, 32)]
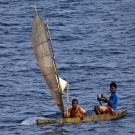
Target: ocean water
[(94, 44)]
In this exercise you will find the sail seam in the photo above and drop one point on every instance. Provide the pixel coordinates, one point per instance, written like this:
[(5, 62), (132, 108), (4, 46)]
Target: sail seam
[(38, 44), (48, 74)]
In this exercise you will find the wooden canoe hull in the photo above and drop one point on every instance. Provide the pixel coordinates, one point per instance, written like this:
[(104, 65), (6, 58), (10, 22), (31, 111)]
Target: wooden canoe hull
[(102, 117)]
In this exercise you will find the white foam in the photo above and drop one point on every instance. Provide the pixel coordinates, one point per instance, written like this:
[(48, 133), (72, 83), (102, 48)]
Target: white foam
[(31, 120)]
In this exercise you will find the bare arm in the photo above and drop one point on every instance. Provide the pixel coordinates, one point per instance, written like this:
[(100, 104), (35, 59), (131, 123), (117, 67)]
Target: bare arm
[(106, 99), (84, 115), (101, 99)]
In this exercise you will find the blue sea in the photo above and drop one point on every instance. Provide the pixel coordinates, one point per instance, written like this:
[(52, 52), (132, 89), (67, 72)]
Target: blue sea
[(94, 44)]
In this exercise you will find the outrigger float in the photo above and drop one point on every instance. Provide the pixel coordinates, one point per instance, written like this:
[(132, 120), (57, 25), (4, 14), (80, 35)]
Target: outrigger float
[(43, 49)]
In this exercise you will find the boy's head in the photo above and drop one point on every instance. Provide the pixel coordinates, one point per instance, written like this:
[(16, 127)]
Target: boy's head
[(74, 103), (113, 87)]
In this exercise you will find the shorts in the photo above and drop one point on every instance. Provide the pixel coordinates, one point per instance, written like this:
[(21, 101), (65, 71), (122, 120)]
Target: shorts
[(106, 110)]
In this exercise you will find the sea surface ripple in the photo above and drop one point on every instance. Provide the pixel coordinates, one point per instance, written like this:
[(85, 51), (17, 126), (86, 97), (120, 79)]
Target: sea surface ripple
[(94, 44)]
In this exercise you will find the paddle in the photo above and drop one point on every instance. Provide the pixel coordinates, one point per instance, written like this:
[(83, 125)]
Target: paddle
[(99, 100)]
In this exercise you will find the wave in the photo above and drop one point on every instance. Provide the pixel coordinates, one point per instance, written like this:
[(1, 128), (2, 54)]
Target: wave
[(31, 120)]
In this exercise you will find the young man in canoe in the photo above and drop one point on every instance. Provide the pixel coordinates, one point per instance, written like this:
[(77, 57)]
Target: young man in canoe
[(76, 111), (112, 102)]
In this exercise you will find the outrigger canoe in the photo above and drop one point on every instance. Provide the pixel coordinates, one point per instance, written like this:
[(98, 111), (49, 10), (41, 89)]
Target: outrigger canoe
[(44, 52), (102, 117)]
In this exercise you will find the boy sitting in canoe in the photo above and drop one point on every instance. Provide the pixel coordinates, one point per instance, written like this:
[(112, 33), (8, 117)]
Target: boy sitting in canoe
[(76, 111), (112, 102)]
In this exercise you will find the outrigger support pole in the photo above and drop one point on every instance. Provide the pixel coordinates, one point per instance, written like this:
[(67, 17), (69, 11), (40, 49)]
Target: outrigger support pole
[(67, 97)]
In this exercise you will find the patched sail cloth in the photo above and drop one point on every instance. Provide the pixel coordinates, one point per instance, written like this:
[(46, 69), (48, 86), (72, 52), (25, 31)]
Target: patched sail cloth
[(63, 84), (44, 59)]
